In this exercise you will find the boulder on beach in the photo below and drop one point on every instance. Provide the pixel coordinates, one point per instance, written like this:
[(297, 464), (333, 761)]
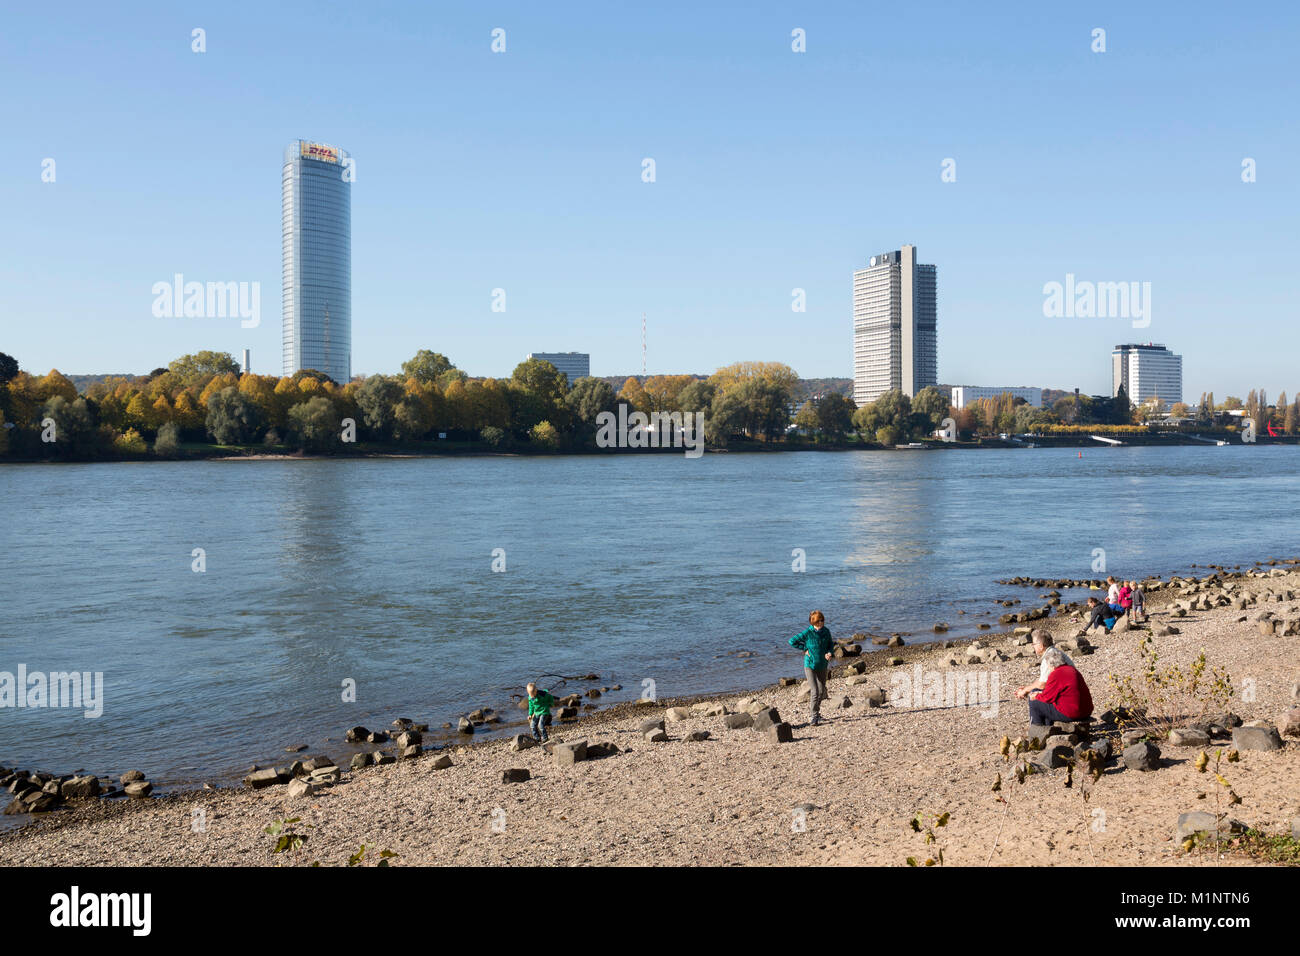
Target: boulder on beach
[(515, 775), (1188, 737), (1142, 756), (780, 733), (522, 742), (81, 788), (356, 735), (567, 754), (1256, 736), (440, 762), (140, 789), (738, 721), (257, 779), (765, 718), (1203, 824)]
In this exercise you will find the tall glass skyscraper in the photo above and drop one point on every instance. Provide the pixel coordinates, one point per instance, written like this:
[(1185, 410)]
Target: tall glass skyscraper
[(316, 197)]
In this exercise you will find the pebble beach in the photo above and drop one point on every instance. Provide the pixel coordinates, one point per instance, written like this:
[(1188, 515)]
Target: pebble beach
[(709, 789)]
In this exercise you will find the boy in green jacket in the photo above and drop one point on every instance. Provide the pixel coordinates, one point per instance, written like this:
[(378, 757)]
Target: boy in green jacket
[(815, 641), (540, 703)]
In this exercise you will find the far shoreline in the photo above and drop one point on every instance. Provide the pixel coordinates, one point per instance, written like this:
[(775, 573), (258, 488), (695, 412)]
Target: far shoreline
[(474, 450)]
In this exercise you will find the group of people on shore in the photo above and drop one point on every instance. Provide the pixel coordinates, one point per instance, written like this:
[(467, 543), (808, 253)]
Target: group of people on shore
[(1059, 694), (1123, 599)]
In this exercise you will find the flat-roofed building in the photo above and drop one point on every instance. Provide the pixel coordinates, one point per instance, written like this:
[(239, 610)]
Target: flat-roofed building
[(895, 337), (574, 365), (963, 395), (1146, 372)]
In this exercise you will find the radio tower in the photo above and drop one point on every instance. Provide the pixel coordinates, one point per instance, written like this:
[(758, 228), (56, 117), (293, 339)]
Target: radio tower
[(642, 345)]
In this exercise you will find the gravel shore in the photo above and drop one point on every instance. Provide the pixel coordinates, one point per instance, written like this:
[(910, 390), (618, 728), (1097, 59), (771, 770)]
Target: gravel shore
[(839, 793)]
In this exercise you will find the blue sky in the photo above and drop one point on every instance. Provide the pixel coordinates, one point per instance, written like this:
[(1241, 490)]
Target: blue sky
[(775, 170)]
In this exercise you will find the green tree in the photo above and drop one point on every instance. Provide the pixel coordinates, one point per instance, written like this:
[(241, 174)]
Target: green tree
[(1121, 412), (8, 368), (167, 444), (232, 417), (698, 396), (806, 419), (835, 415), (933, 405), (537, 392), (544, 435), (887, 419), (315, 425), (427, 367), (75, 429), (588, 398), (201, 366), (378, 398)]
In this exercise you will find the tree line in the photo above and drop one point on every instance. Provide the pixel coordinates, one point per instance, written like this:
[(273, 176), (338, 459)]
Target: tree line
[(205, 399)]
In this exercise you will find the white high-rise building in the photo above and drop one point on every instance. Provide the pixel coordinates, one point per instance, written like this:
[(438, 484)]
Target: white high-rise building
[(574, 365), (895, 312), (1147, 371)]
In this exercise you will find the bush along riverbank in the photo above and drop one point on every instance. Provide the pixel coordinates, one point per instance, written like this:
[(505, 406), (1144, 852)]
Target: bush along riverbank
[(1191, 759)]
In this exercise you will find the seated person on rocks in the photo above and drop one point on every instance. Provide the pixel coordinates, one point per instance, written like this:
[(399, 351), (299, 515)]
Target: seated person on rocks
[(1064, 697), (1100, 614), (1042, 642)]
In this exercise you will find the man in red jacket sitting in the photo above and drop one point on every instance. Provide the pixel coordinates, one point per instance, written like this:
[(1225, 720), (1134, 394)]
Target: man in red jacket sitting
[(1064, 697)]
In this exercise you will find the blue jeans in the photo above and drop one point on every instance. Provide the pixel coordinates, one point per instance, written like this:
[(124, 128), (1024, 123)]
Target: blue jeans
[(538, 724)]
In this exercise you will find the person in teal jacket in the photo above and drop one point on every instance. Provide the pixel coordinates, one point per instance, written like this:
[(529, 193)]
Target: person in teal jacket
[(540, 703), (815, 641)]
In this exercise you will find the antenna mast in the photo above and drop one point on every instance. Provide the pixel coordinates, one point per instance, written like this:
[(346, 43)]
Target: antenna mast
[(643, 345)]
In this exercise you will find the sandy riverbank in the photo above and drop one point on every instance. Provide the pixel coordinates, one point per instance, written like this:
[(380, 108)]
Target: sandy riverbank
[(733, 798)]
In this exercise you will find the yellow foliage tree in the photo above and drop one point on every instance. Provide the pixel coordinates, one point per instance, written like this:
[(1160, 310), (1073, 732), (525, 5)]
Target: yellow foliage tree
[(186, 412), (54, 383), (634, 393)]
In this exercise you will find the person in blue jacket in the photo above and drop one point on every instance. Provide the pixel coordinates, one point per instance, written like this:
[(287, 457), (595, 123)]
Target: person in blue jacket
[(815, 641)]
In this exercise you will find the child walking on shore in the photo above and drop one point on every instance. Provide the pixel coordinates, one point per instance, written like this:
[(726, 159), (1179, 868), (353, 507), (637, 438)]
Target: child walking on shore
[(540, 703), (815, 641)]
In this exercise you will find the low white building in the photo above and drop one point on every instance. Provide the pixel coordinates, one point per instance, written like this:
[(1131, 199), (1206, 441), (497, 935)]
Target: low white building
[(963, 395)]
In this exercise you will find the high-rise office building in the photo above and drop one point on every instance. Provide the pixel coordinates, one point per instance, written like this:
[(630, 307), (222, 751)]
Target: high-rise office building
[(574, 365), (1147, 371), (316, 210), (895, 312)]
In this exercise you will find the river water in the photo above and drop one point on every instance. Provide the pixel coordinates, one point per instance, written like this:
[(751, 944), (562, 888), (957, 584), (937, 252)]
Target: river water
[(378, 574)]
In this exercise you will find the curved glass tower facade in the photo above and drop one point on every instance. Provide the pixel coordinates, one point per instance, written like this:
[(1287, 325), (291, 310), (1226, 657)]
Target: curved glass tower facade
[(316, 195)]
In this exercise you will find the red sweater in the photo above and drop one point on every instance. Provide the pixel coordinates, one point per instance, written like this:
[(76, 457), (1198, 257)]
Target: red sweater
[(1066, 691)]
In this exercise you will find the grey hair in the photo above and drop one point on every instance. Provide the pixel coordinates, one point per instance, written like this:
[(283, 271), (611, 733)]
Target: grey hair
[(1054, 658)]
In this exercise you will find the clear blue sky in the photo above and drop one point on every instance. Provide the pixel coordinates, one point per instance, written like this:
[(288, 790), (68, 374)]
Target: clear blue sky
[(775, 170)]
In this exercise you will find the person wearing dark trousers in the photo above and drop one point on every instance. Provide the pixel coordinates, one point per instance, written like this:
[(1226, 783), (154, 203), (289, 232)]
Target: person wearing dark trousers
[(815, 641), (1064, 697)]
